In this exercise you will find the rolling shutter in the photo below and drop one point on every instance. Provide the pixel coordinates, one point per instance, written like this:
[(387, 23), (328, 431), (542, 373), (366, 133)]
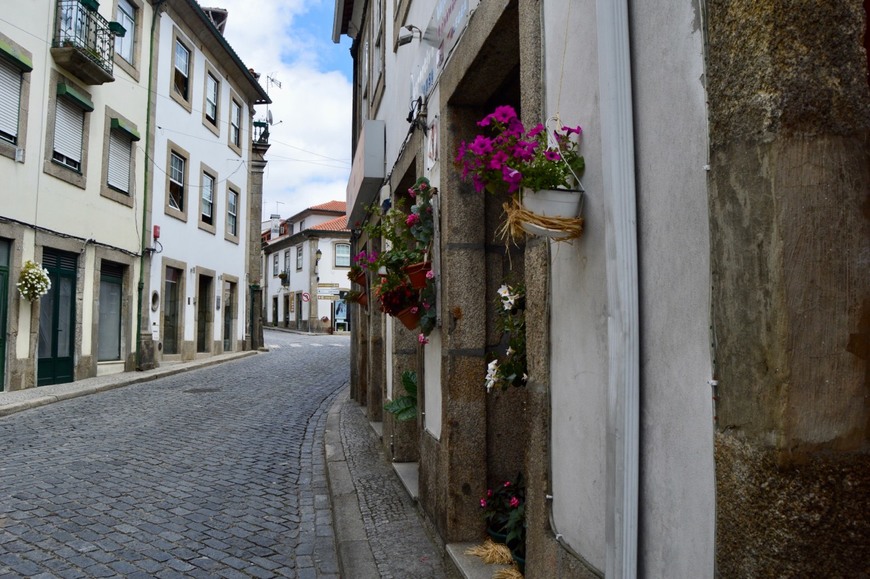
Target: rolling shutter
[(69, 130), (10, 95), (119, 161)]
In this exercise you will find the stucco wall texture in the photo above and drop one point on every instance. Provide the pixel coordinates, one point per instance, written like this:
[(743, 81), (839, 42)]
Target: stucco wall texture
[(789, 108)]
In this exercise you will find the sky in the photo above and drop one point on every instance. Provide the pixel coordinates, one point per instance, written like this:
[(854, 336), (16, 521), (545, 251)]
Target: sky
[(291, 42)]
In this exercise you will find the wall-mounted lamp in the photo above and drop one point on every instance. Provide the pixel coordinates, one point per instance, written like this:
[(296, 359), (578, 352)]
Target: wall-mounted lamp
[(318, 254), (407, 38)]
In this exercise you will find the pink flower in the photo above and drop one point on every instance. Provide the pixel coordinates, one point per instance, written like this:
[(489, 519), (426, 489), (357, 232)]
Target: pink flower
[(534, 132), (489, 492), (422, 339), (430, 274), (426, 306), (415, 309), (552, 155), (507, 483), (482, 503), (512, 177), (412, 193), (412, 219), (525, 150), (575, 130), (499, 158), (515, 502)]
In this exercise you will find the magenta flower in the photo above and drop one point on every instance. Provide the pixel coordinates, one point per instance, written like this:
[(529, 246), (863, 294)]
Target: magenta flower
[(482, 503), (415, 309), (412, 193), (515, 502), (512, 177), (412, 219), (424, 340), (499, 158), (573, 130), (535, 131), (552, 155), (481, 145), (430, 274), (504, 113)]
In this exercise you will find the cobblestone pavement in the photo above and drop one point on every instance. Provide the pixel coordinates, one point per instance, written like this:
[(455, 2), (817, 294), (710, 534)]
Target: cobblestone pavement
[(217, 472), (394, 528)]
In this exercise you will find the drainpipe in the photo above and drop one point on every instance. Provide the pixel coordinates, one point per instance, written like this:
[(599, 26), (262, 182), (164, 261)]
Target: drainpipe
[(623, 391), (155, 14)]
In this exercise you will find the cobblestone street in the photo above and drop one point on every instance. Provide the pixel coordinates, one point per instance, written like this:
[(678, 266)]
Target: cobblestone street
[(217, 472)]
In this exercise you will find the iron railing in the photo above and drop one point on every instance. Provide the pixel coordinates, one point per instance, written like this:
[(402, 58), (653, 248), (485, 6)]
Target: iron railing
[(83, 28)]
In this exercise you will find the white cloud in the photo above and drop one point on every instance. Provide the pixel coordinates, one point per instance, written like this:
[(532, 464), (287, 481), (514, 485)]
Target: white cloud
[(290, 41)]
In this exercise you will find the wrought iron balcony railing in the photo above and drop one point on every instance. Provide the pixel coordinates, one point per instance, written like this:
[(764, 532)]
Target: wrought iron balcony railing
[(83, 41)]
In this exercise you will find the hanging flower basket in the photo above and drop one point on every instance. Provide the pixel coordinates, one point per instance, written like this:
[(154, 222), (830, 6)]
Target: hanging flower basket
[(33, 281), (360, 279), (417, 273), (553, 213), (410, 317), (363, 300)]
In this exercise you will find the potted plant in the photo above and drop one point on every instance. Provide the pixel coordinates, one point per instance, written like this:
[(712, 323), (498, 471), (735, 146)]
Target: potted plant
[(360, 297), (405, 407), (398, 298), (539, 168), (360, 263), (504, 513), (508, 367), (33, 281)]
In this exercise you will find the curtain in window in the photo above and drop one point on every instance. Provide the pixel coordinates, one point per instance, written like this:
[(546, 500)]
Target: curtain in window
[(10, 95), (69, 130), (119, 161)]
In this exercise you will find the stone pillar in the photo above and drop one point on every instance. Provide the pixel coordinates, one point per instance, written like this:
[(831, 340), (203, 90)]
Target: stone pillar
[(254, 319), (789, 181)]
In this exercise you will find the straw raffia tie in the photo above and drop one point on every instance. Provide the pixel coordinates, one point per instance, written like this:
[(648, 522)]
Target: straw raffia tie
[(492, 553), (512, 228)]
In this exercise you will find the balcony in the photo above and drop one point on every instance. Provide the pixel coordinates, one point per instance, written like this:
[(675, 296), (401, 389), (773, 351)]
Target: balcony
[(83, 42)]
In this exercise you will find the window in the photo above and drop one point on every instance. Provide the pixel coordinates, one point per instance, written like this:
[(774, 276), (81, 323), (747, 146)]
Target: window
[(274, 265), (232, 228), (10, 101), (342, 255), (126, 16), (298, 258), (236, 125), (15, 66), (67, 132), (287, 260), (182, 71), (211, 100), (119, 147), (120, 155), (177, 179), (207, 197), (111, 291)]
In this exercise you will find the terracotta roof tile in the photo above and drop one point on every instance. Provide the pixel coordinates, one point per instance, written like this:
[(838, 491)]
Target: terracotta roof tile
[(331, 206), (337, 224)]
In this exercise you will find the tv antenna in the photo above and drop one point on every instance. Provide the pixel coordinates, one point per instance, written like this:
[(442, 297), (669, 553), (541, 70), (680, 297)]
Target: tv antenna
[(271, 80)]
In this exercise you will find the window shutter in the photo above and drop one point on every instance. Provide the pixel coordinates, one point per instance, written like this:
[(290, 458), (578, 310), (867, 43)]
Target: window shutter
[(119, 161), (69, 130), (10, 95)]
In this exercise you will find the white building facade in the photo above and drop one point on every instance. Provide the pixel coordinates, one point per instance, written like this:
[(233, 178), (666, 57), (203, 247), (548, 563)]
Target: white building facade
[(305, 270), (73, 120), (202, 198)]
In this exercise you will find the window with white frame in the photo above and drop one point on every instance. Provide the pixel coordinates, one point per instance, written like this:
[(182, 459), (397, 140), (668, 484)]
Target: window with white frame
[(342, 255), (16, 63), (177, 165), (298, 258), (207, 199), (126, 16), (232, 231), (181, 74), (110, 308), (274, 265), (212, 90), (287, 260), (235, 124)]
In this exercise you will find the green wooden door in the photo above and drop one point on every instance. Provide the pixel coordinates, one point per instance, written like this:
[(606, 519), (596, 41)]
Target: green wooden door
[(4, 301), (57, 319)]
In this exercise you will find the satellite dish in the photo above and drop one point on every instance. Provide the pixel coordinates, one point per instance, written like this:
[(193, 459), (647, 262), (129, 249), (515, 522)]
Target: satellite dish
[(269, 117)]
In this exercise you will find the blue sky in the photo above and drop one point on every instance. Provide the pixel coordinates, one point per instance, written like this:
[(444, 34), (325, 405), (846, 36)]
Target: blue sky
[(291, 41)]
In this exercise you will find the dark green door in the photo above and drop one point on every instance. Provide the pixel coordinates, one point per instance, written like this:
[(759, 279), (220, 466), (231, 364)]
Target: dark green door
[(4, 300), (229, 302), (57, 319)]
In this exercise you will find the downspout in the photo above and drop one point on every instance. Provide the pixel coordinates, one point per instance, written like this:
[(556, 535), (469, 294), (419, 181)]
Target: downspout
[(623, 390), (145, 247)]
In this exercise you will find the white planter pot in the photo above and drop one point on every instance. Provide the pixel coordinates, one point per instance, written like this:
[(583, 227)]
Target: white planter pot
[(553, 202)]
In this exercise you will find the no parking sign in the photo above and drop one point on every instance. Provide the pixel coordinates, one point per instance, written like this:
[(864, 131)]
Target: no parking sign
[(306, 297)]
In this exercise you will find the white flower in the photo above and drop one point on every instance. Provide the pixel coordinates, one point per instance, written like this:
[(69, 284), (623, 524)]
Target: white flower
[(525, 377), (504, 291), (510, 351), (491, 375)]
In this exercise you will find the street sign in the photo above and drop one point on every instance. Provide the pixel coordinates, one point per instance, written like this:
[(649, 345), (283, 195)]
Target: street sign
[(306, 296)]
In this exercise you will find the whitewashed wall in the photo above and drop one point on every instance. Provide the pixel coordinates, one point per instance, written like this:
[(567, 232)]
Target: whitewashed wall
[(677, 494)]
